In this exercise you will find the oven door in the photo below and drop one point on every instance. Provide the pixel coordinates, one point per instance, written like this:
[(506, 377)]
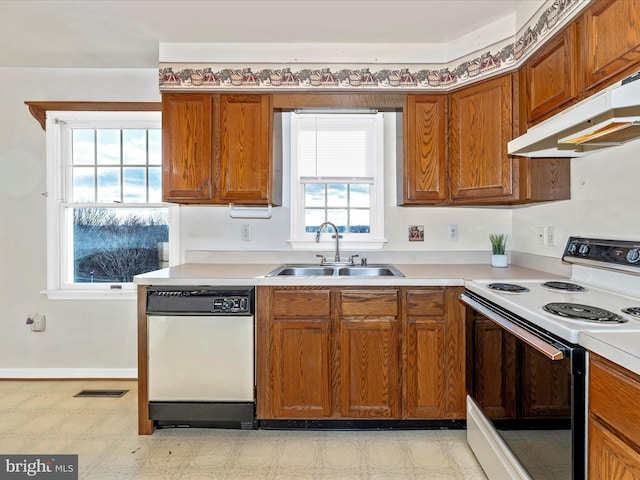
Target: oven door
[(526, 396)]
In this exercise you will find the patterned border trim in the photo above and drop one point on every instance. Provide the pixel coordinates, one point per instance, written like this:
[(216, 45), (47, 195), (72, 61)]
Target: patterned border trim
[(341, 77)]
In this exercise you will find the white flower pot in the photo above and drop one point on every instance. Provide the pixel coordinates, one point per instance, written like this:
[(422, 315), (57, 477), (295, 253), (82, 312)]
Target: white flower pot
[(499, 260)]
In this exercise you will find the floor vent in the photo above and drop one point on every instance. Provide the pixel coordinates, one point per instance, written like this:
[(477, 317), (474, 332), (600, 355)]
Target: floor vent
[(101, 393)]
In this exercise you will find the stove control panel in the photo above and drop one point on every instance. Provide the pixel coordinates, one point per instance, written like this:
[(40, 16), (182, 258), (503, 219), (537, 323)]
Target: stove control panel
[(621, 254)]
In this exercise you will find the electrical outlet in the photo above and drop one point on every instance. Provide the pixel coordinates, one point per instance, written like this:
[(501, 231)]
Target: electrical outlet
[(551, 236), (38, 323), (245, 233), (542, 236), (453, 232)]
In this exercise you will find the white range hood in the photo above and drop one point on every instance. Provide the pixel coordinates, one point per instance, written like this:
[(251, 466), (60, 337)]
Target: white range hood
[(608, 118)]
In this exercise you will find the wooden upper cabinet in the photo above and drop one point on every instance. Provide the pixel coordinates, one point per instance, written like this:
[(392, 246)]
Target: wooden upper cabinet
[(611, 42), (217, 148), (549, 77), (188, 120), (424, 176), (481, 124), (245, 149)]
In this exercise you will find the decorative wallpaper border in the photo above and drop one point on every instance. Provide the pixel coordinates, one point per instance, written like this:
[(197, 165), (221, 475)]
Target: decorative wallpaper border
[(192, 76)]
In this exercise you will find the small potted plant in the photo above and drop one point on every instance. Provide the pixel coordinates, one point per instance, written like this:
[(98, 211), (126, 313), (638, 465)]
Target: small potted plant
[(498, 243)]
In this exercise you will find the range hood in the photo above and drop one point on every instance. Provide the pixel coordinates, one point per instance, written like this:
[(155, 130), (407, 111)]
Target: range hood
[(608, 118)]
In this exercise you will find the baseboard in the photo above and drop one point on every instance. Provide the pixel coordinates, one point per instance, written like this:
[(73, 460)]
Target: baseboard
[(65, 373)]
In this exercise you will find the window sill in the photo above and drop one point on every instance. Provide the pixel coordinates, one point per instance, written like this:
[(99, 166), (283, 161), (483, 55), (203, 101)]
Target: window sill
[(125, 294)]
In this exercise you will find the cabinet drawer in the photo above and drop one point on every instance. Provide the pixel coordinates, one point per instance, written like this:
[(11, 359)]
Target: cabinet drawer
[(296, 303), (421, 303), (370, 302), (613, 397)]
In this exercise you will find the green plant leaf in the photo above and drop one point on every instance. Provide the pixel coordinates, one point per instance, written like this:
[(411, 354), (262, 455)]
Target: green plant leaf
[(498, 243)]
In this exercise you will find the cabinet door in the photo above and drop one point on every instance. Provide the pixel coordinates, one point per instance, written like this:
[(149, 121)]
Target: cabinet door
[(245, 149), (294, 353), (610, 456), (187, 163), (611, 42), (614, 421), (434, 358), (425, 159), (301, 368), (481, 125), (549, 77), (424, 372), (369, 354)]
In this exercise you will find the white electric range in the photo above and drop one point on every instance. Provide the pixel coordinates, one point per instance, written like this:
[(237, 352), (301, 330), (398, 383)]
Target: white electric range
[(526, 372), (603, 293)]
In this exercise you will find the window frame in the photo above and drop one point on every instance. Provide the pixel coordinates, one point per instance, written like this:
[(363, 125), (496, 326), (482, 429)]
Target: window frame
[(374, 240), (59, 125)]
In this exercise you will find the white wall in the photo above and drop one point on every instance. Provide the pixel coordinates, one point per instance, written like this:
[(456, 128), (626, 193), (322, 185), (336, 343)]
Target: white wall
[(605, 203), (102, 335), (80, 334)]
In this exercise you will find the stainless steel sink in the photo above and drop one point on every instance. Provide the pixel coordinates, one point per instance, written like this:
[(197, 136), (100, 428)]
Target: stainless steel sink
[(371, 271), (302, 271), (335, 271)]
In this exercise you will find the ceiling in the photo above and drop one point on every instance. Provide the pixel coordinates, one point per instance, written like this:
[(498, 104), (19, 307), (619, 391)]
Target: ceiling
[(127, 33)]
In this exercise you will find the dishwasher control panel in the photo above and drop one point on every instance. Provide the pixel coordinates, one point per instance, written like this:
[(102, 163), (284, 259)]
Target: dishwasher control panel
[(200, 300), (231, 304)]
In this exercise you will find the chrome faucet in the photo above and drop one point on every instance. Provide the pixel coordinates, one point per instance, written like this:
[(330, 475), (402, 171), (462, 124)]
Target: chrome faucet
[(335, 229)]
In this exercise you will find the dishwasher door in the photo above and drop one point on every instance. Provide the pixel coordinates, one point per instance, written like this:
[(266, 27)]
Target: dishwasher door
[(201, 358)]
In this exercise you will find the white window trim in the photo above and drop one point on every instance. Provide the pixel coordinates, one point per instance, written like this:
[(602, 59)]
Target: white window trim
[(300, 240), (56, 238)]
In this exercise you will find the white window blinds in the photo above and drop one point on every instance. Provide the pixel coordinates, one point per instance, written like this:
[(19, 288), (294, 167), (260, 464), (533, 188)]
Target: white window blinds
[(338, 146)]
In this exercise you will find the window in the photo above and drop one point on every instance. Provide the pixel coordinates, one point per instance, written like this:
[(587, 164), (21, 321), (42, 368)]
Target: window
[(336, 176), (106, 222)]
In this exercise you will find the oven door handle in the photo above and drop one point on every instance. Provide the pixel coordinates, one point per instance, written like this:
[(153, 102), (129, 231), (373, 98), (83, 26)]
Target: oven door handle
[(529, 338)]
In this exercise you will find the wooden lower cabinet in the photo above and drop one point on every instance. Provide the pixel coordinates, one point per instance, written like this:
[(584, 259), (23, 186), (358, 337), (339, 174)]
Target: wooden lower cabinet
[(369, 353), (294, 346), (434, 354), (614, 421), (360, 353)]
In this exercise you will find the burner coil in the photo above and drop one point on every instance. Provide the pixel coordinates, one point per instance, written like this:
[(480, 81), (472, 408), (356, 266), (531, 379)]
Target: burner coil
[(577, 311)]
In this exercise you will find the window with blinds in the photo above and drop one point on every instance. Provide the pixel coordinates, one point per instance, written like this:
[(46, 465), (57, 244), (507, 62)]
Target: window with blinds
[(337, 174)]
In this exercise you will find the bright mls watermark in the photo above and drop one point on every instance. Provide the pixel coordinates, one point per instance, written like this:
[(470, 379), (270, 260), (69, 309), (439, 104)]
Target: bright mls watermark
[(53, 467)]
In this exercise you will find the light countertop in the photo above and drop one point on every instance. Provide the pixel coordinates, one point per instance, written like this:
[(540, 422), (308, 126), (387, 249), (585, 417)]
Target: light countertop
[(218, 274), (620, 347)]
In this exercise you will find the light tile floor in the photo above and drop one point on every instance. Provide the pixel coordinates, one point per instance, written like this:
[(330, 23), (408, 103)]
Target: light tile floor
[(43, 417)]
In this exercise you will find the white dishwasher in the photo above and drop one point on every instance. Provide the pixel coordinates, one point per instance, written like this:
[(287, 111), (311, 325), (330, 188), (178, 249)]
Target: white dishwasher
[(201, 365)]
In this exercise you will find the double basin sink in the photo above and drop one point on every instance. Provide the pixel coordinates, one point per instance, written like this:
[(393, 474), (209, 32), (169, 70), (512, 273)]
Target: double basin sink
[(335, 271)]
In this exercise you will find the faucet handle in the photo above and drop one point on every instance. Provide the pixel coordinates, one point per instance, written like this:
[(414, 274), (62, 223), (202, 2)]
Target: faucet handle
[(352, 257), (322, 259)]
